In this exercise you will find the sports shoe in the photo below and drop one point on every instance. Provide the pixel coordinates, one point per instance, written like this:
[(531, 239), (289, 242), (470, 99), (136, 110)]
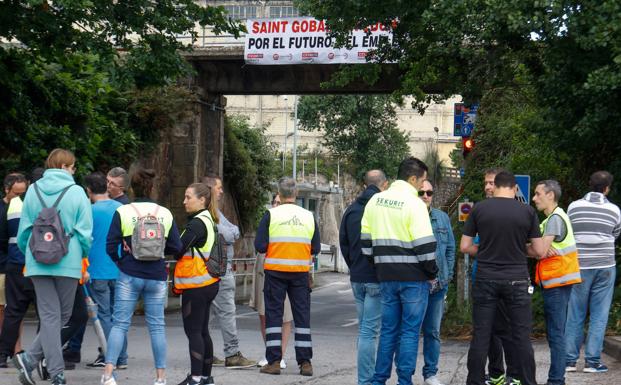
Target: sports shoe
[(189, 381), (160, 381), (42, 370), (238, 361), (217, 361), (433, 380), (283, 364), (70, 356), (513, 381), (100, 362), (262, 362), (59, 379), (570, 367), (121, 365), (306, 369), (595, 368), (208, 381), (273, 368), (24, 367), (500, 380), (109, 381)]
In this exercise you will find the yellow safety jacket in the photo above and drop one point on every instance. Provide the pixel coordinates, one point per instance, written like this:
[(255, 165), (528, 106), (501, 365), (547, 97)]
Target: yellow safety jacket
[(290, 233), (129, 217), (562, 269), (190, 271), (396, 232)]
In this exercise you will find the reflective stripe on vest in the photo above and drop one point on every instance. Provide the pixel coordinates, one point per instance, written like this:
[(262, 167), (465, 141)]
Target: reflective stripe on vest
[(562, 269), (190, 270), (290, 234)]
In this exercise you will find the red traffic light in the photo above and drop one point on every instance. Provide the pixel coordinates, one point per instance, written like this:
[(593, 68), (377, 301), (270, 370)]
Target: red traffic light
[(467, 145)]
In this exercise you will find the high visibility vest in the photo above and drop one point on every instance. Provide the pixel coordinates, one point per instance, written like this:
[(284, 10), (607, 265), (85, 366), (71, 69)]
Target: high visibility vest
[(129, 217), (190, 270), (13, 216), (562, 269), (290, 233)]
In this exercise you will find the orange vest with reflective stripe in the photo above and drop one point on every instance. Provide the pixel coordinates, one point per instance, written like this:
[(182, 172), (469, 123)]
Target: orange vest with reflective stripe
[(190, 270), (290, 234), (562, 269)]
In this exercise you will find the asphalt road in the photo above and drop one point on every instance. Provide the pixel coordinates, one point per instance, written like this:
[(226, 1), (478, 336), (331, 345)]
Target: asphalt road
[(334, 329)]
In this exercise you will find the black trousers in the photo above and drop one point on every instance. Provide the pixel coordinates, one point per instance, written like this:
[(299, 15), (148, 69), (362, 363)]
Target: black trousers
[(486, 294), (501, 341), (195, 305), (19, 295), (79, 317), (277, 285)]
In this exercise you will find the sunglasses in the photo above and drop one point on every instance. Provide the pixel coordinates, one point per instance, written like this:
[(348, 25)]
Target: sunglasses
[(428, 192)]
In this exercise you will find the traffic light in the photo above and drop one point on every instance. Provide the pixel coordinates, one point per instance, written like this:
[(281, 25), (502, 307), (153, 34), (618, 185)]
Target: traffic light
[(467, 144)]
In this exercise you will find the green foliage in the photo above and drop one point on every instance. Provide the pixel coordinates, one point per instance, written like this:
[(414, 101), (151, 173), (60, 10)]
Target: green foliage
[(358, 129), (249, 167)]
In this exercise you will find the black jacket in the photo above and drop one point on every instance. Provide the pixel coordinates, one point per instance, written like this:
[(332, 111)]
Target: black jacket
[(361, 270)]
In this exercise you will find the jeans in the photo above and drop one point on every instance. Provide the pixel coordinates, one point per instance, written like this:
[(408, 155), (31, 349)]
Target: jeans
[(517, 299), (555, 301), (594, 295), (369, 308), (223, 309), (102, 292), (403, 310), (128, 290), (499, 343), (431, 332)]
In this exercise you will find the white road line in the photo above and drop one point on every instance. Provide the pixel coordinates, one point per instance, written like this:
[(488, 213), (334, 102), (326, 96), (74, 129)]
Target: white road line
[(353, 321), (347, 291)]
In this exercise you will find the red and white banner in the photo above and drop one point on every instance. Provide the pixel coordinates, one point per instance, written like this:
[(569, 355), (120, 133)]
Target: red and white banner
[(304, 40)]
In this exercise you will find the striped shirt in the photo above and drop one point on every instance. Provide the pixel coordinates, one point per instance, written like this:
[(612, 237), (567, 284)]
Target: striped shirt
[(596, 223)]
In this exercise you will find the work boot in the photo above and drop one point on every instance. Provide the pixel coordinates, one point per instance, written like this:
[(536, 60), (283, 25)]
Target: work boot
[(306, 369), (238, 361), (273, 368)]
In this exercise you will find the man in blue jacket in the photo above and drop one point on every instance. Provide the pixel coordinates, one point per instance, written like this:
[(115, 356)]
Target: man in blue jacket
[(445, 259), (362, 275)]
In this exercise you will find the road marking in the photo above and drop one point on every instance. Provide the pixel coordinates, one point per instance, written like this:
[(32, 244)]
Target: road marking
[(353, 321), (254, 313), (347, 291), (332, 284)]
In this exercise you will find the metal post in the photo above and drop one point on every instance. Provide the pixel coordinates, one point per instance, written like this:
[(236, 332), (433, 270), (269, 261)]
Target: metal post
[(295, 136), (338, 173), (315, 168), (284, 151)]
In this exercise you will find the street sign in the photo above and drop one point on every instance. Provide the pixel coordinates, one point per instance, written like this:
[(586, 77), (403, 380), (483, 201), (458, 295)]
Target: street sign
[(464, 210), (523, 190), (464, 119)]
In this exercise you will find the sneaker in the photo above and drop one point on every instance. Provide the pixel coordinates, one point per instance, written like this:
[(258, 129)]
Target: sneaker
[(283, 364), (100, 362), (121, 365), (4, 361), (217, 361), (238, 361), (109, 381), (189, 381), (208, 381), (306, 369), (273, 368), (500, 380), (24, 367), (597, 367), (71, 356), (570, 367), (513, 381), (160, 381), (42, 370), (59, 379), (262, 362), (433, 380)]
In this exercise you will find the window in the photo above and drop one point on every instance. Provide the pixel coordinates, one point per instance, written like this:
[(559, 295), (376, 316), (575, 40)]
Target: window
[(283, 11), (312, 205), (241, 12)]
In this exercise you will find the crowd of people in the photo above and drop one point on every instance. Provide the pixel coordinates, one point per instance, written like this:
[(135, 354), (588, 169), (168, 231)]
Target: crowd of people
[(61, 244), (401, 255)]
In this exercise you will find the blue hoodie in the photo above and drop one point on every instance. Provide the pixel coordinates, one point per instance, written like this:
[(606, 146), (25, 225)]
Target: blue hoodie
[(75, 214)]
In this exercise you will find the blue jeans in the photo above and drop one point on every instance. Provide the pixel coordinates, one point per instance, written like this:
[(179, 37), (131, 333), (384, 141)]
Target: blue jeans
[(431, 332), (594, 295), (127, 292), (403, 310), (102, 292), (369, 307), (555, 301)]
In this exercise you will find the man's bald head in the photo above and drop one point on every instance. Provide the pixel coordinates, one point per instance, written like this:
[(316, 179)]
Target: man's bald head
[(376, 178)]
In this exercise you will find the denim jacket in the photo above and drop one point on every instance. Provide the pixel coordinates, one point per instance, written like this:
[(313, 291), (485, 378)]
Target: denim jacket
[(445, 247)]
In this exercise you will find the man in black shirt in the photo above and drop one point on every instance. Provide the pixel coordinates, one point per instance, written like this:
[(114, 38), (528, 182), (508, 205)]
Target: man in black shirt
[(504, 226)]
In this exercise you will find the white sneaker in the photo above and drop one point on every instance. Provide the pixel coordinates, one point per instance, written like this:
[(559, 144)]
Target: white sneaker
[(160, 381), (109, 381), (433, 381), (262, 362), (570, 368), (283, 364)]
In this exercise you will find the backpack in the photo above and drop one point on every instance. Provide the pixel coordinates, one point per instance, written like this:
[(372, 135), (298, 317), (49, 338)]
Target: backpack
[(148, 237), (49, 243), (216, 264)]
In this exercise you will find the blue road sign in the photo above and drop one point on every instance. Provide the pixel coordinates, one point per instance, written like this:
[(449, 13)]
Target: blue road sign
[(523, 191), (464, 119)]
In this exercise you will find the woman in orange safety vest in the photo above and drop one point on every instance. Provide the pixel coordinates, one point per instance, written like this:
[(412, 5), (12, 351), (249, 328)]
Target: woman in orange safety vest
[(191, 277)]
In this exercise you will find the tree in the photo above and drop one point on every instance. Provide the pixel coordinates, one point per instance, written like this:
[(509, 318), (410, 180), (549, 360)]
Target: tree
[(361, 130)]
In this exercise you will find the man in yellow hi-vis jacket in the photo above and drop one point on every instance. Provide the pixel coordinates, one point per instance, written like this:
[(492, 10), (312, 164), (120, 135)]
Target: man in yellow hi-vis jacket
[(396, 234), (289, 236)]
